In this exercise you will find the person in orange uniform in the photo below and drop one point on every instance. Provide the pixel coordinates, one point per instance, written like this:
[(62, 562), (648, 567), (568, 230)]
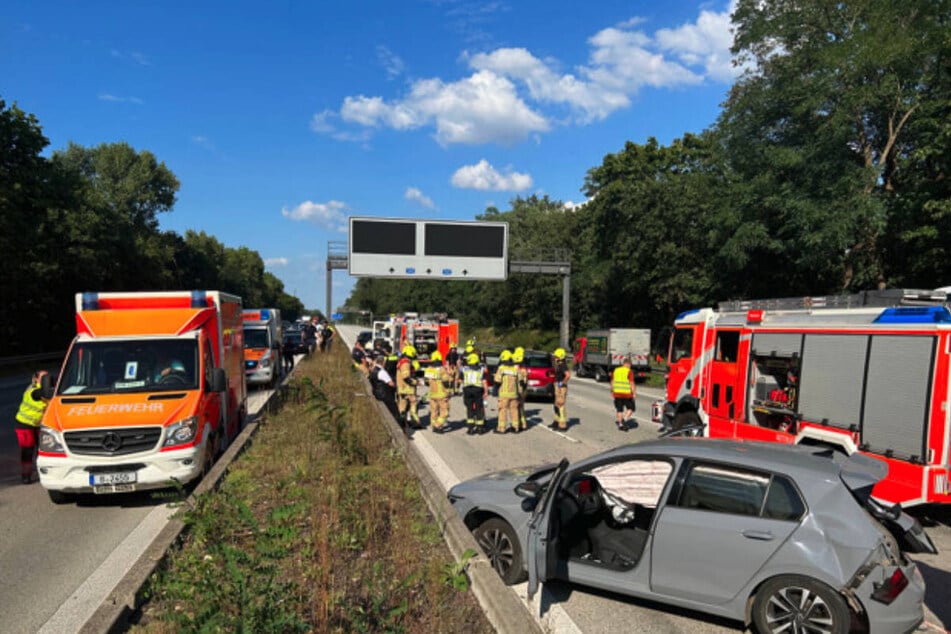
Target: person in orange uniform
[(624, 391), (440, 383), (562, 375), (506, 377), (28, 419)]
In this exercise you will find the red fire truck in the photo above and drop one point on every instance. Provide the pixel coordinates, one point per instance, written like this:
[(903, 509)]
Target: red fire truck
[(867, 372), (425, 333)]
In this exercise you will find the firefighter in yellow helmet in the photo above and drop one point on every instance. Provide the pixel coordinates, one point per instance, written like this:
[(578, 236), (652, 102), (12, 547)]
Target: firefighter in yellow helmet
[(406, 388), (518, 358), (506, 377), (562, 374), (440, 384), (475, 389)]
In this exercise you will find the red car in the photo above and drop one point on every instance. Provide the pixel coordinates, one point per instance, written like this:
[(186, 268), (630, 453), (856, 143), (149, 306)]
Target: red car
[(541, 374)]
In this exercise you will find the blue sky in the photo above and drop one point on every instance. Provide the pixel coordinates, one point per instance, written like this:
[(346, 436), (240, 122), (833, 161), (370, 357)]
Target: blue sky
[(282, 119)]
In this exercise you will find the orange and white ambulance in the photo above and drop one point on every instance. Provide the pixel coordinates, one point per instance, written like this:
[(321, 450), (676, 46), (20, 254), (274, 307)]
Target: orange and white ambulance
[(262, 346), (151, 390)]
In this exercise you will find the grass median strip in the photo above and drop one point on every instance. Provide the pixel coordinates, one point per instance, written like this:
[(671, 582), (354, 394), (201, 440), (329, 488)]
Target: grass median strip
[(319, 526)]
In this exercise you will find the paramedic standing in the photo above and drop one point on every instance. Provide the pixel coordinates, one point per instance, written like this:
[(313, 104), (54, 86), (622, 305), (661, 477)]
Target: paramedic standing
[(624, 391), (28, 425)]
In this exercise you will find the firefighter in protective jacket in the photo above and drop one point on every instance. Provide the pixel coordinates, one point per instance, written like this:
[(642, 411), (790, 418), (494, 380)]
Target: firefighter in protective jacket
[(440, 385), (506, 377), (562, 374), (406, 388), (475, 389), (518, 358)]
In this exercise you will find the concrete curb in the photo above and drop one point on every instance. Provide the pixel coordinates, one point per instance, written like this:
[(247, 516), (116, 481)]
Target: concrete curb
[(502, 607)]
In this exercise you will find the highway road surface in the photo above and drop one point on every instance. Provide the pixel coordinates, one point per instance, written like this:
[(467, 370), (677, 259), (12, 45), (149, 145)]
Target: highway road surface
[(59, 562)]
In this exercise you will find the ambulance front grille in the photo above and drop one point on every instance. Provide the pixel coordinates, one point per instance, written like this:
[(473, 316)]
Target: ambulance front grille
[(113, 442)]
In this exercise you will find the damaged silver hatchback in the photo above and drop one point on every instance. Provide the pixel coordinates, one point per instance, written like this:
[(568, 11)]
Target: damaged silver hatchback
[(785, 538)]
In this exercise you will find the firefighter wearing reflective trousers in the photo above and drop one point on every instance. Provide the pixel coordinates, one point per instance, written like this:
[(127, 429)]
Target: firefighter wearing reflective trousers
[(475, 389), (406, 388), (506, 377), (561, 389), (518, 357), (440, 384), (28, 419)]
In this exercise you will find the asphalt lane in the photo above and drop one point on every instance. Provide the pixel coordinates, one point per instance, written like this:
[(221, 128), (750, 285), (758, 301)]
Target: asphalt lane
[(591, 430), (47, 551)]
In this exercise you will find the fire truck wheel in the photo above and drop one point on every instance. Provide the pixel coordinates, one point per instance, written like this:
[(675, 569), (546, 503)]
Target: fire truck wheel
[(688, 418)]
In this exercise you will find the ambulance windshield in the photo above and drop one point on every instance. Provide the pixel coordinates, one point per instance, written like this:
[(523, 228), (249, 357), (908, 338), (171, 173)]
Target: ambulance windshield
[(116, 366)]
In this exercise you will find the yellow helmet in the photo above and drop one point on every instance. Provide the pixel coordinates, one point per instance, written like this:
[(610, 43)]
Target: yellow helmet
[(409, 351), (559, 353), (472, 359), (469, 349), (519, 355), (470, 343), (505, 356), (436, 356)]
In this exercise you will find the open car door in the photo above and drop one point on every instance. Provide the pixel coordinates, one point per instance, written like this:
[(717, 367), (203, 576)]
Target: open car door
[(543, 533)]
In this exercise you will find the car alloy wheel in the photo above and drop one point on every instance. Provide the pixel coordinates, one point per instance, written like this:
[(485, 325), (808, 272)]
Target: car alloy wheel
[(799, 605), (500, 544)]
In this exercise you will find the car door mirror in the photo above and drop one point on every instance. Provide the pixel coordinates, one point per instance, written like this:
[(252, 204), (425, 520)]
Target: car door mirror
[(527, 490), (46, 387)]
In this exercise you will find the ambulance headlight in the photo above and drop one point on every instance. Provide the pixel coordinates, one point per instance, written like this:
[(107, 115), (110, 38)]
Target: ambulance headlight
[(50, 441), (182, 432)]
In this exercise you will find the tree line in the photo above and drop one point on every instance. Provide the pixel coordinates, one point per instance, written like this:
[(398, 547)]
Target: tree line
[(825, 172), (86, 219)]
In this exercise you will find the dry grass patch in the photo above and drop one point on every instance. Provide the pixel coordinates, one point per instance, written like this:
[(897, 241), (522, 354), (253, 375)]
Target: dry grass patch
[(319, 526)]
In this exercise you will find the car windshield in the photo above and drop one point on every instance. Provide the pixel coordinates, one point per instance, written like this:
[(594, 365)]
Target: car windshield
[(106, 367), (538, 361), (255, 338)]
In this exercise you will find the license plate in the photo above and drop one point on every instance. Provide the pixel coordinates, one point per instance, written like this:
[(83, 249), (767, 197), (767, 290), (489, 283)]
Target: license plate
[(119, 477), (113, 488), (534, 382)]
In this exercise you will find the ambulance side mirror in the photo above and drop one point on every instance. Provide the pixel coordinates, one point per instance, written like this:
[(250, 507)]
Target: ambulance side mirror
[(46, 386), (219, 382)]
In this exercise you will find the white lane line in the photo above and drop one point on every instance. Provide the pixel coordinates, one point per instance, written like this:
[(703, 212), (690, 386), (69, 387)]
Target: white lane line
[(555, 619), (79, 608), (560, 433)]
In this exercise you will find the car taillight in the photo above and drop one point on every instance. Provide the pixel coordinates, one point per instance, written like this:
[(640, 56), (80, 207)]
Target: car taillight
[(889, 591)]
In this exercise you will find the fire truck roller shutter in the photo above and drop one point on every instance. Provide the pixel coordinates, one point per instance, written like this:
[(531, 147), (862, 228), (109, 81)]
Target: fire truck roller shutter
[(897, 394), (831, 379)]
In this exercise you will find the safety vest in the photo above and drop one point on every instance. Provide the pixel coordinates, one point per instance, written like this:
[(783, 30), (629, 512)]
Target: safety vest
[(472, 375), (31, 410), (621, 382), (507, 378), (435, 374)]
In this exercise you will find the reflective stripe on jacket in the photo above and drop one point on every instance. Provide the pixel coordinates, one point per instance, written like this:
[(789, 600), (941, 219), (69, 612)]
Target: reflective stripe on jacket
[(507, 377), (472, 376), (31, 410)]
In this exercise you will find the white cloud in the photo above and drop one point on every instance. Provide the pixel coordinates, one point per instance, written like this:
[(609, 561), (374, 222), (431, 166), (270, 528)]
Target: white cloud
[(391, 62), (483, 176), (116, 99), (415, 195), (501, 100), (330, 214), (276, 262)]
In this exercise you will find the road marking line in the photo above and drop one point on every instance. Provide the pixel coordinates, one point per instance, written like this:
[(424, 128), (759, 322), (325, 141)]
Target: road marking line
[(560, 433), (83, 603)]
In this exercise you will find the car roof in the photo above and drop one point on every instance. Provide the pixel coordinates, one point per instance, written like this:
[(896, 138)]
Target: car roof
[(794, 460)]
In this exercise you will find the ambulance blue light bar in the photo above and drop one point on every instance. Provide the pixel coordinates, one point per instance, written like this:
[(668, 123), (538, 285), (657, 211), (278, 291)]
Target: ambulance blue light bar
[(90, 301), (915, 315)]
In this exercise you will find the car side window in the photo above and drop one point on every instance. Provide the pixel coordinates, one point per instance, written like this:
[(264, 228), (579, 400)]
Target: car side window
[(722, 489), (783, 501)]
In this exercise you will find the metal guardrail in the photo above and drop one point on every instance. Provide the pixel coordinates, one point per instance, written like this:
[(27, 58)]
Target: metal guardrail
[(28, 358)]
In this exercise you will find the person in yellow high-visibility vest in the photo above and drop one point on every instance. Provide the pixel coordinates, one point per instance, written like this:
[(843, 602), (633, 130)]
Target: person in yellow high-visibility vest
[(624, 391), (406, 388), (506, 377), (28, 419), (440, 382)]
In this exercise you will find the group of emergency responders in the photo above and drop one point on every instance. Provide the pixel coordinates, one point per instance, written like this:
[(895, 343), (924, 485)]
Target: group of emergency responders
[(396, 380)]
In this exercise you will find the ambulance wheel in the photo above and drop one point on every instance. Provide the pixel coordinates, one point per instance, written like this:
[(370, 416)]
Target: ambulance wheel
[(58, 497)]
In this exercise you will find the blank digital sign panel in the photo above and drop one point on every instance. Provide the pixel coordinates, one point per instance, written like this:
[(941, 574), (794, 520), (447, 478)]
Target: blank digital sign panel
[(428, 249)]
